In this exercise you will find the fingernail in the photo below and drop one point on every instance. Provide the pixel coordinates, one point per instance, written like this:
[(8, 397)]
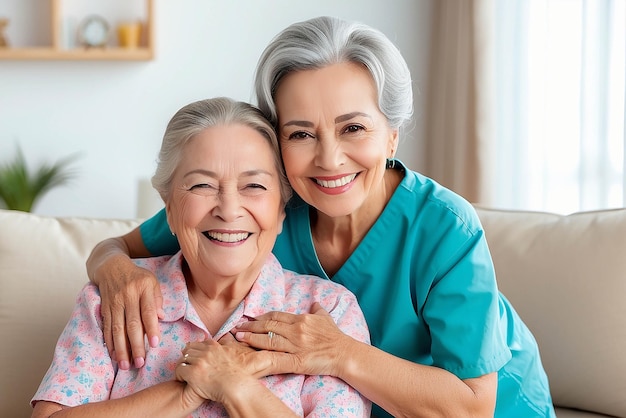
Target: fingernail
[(239, 335), (124, 365), (139, 362), (154, 341)]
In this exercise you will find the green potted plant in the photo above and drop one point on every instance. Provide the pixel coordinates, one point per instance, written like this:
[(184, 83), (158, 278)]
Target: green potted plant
[(20, 189)]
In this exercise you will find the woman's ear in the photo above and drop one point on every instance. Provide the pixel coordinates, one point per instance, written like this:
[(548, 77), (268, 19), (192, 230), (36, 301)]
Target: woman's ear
[(393, 143), (281, 220), (168, 213)]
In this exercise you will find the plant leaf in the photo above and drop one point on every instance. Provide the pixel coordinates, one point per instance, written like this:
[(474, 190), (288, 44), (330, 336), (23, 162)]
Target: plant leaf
[(20, 190)]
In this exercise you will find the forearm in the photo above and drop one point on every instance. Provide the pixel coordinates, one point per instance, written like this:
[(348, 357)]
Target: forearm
[(407, 389), (168, 399), (104, 252), (251, 399), (131, 297), (116, 252)]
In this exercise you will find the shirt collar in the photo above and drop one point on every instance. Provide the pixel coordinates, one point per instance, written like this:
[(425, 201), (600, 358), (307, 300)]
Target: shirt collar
[(267, 293)]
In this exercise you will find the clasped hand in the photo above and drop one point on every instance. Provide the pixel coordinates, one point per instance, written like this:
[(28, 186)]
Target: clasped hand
[(309, 344), (218, 371), (306, 344), (213, 370)]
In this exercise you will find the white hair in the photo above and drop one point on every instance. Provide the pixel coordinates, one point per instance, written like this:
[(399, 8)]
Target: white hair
[(323, 41), (193, 119)]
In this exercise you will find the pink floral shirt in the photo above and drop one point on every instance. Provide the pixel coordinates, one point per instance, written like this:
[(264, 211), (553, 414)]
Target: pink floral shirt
[(82, 370)]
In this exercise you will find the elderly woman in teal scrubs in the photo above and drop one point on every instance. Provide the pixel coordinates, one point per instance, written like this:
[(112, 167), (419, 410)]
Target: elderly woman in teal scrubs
[(445, 342)]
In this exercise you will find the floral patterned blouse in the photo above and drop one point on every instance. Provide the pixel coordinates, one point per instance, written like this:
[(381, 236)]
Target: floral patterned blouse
[(82, 370)]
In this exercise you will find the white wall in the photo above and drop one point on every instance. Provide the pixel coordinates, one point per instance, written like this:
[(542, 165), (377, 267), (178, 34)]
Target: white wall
[(114, 113)]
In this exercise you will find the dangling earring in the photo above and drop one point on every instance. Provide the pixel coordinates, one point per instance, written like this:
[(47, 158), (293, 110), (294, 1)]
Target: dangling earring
[(391, 163)]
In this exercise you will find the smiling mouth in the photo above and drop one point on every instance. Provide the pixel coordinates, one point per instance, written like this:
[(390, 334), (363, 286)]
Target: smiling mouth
[(331, 184), (225, 237)]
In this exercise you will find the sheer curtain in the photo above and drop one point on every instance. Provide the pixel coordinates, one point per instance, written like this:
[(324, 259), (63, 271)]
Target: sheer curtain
[(559, 92), (456, 152)]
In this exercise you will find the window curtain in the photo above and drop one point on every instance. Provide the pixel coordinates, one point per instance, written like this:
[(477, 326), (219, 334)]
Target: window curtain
[(559, 107), (458, 127), (525, 106)]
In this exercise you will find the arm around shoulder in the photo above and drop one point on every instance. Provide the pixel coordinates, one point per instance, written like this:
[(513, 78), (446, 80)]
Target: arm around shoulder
[(404, 388), (131, 296), (168, 399), (111, 252)]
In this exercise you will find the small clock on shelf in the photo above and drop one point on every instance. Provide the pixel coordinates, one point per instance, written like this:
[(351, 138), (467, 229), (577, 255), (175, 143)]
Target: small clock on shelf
[(94, 32)]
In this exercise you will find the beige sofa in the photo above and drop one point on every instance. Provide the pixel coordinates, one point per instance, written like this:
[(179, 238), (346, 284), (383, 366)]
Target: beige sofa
[(566, 275)]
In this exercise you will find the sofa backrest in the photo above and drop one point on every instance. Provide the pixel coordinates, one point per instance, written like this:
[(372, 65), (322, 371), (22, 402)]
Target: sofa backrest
[(42, 268), (566, 277)]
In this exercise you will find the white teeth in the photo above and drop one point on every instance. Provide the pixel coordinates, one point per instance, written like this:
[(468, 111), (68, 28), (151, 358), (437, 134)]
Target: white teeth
[(223, 237), (336, 183)]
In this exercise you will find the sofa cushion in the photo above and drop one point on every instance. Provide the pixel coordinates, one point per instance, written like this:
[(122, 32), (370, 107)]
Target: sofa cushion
[(566, 277), (42, 268), (575, 413)]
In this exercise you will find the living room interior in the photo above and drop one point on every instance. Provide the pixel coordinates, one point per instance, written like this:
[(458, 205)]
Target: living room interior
[(112, 113), (557, 227)]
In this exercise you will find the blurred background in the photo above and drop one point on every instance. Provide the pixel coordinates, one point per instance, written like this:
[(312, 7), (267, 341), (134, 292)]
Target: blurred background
[(519, 104)]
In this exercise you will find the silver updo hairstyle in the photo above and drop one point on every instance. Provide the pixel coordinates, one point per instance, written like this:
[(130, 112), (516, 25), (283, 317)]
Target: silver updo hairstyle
[(323, 41), (194, 118)]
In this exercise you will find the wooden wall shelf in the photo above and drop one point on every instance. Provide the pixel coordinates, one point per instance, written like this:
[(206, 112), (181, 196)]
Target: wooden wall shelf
[(56, 51), (77, 54)]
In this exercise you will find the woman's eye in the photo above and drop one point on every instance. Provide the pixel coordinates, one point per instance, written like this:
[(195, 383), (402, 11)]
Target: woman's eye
[(253, 189), (256, 186), (299, 135), (353, 128), (200, 186)]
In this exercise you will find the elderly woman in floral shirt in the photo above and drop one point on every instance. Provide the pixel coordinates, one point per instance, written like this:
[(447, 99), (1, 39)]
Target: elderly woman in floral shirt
[(220, 176)]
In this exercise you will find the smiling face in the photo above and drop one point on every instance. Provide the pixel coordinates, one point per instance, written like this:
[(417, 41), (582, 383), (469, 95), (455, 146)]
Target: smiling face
[(225, 204), (334, 139)]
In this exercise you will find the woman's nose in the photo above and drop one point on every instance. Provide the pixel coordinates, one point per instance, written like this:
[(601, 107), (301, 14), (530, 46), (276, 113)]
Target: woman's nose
[(228, 207), (328, 154)]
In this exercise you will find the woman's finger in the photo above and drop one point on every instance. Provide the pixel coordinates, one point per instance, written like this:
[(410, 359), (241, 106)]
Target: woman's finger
[(270, 331), (134, 329), (287, 318), (185, 360), (317, 309), (120, 342), (266, 340), (277, 322), (140, 307), (228, 339), (182, 370), (106, 329), (151, 302)]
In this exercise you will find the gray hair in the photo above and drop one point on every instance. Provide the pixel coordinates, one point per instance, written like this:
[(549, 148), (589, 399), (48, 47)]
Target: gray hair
[(193, 119), (323, 41)]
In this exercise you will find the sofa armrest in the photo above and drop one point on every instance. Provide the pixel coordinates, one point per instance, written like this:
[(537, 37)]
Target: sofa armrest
[(42, 268), (566, 277)]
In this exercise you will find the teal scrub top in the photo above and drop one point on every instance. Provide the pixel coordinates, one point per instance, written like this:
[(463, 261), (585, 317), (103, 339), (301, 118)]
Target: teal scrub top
[(425, 281)]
